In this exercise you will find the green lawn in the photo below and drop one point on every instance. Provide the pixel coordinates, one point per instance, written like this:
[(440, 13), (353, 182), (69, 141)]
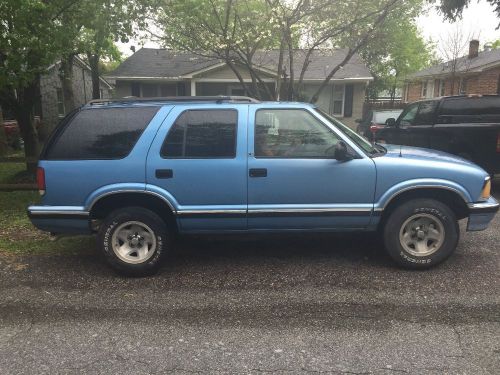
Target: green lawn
[(17, 234)]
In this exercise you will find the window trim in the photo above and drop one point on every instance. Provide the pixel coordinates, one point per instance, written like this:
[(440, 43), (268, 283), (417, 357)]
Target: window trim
[(200, 157), (60, 102), (292, 158), (341, 114)]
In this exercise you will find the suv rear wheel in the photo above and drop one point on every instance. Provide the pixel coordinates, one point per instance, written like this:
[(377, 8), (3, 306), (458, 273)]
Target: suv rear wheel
[(421, 233), (133, 241)]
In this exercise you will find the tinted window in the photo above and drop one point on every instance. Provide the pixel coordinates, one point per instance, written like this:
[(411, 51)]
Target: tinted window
[(101, 133), (291, 133), (381, 117), (425, 114), (409, 114), (486, 105), (470, 110), (202, 134)]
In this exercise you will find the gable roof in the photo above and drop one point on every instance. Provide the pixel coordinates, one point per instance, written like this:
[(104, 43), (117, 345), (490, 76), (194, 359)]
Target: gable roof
[(484, 60), (84, 65), (166, 64)]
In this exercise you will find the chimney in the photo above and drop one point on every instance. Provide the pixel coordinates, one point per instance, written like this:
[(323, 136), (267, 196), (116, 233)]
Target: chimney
[(473, 48)]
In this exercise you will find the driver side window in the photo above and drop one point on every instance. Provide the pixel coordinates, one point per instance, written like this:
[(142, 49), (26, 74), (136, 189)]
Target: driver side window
[(291, 133), (409, 115)]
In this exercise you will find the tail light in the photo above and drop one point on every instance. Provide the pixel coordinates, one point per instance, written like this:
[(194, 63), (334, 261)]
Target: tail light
[(498, 142), (374, 127), (40, 180)]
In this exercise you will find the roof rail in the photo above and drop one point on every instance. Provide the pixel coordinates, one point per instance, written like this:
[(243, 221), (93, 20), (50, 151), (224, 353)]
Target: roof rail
[(178, 99)]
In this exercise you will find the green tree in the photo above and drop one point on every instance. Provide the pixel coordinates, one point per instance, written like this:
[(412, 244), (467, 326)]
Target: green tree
[(396, 51), (30, 40), (234, 30)]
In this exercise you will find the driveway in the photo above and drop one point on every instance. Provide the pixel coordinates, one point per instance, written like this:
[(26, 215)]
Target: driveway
[(333, 304)]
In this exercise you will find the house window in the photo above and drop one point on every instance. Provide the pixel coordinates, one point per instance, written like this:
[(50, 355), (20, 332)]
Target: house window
[(60, 103), (423, 94), (441, 87), (135, 89), (338, 100), (149, 90), (462, 89)]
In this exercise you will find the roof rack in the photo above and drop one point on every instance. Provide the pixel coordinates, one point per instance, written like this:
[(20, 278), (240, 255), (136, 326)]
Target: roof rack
[(178, 99)]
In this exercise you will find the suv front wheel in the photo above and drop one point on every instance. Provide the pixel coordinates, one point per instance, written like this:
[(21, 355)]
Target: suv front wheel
[(133, 241), (421, 233)]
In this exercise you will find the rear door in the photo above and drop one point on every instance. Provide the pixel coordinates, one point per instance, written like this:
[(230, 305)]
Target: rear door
[(198, 158)]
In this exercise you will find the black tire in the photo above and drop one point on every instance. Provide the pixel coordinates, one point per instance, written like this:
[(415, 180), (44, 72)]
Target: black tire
[(432, 209), (114, 221)]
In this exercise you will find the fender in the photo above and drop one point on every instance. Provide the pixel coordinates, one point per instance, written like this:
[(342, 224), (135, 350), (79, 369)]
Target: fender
[(141, 188), (423, 183)]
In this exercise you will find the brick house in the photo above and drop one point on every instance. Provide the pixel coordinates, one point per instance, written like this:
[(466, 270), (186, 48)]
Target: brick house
[(153, 72), (476, 73), (51, 107)]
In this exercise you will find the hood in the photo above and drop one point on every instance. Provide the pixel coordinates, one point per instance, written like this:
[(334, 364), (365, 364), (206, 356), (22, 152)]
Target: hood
[(424, 154)]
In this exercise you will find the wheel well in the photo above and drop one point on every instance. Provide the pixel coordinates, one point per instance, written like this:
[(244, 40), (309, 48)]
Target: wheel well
[(453, 200), (107, 204)]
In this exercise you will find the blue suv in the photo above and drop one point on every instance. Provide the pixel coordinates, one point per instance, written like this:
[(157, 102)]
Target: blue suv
[(139, 171)]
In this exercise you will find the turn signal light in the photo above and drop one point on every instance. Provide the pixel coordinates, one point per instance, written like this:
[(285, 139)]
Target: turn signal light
[(486, 193), (40, 180), (498, 142)]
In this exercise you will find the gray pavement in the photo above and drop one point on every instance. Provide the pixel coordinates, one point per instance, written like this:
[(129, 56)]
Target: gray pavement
[(316, 303)]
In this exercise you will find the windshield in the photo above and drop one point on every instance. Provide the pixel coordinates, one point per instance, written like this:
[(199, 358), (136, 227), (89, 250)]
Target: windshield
[(353, 136)]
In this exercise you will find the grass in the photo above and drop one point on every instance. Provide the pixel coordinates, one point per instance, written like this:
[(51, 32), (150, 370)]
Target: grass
[(17, 234)]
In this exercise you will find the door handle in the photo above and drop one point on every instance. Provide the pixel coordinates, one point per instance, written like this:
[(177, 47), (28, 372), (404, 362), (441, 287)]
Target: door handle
[(164, 173), (257, 172)]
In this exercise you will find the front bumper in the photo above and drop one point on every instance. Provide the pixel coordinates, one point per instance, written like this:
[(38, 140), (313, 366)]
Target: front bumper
[(481, 214), (60, 219)]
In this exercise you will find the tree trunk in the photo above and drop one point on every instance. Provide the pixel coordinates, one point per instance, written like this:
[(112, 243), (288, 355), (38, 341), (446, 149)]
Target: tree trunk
[(66, 76), (3, 138), (23, 112), (94, 68)]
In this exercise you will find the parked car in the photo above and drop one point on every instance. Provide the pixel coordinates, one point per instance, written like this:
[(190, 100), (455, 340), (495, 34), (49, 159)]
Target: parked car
[(467, 126), (13, 134), (139, 171), (375, 120)]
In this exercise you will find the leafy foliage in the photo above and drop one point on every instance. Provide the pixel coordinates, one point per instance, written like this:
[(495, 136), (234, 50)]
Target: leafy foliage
[(397, 50), (453, 9), (233, 30)]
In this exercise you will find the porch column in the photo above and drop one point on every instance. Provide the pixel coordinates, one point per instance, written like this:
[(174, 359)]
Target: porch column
[(193, 87)]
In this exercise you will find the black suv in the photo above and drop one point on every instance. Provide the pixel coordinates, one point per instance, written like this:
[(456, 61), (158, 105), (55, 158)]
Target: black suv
[(467, 126)]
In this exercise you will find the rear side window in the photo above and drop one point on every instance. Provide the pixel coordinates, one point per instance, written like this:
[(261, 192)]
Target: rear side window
[(425, 114), (202, 134), (485, 105), (101, 133)]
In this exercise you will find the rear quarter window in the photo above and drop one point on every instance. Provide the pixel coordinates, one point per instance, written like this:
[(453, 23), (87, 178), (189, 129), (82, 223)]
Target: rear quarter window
[(474, 109), (101, 133)]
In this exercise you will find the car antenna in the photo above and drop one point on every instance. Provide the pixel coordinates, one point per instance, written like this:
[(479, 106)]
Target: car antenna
[(400, 151)]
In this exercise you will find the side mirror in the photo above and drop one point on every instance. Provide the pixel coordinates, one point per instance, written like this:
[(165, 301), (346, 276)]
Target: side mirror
[(390, 122), (341, 152)]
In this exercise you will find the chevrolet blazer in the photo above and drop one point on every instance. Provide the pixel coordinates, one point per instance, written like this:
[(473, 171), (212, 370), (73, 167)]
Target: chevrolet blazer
[(139, 171)]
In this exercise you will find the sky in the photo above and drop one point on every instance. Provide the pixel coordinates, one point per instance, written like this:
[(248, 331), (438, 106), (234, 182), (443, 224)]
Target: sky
[(479, 21)]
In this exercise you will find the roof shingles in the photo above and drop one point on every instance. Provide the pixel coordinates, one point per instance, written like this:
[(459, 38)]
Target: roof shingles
[(164, 63)]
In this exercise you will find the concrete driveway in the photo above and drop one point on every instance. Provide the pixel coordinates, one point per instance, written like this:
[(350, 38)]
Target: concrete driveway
[(333, 304)]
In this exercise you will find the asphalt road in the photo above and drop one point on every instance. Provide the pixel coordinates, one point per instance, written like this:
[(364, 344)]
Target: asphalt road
[(333, 304)]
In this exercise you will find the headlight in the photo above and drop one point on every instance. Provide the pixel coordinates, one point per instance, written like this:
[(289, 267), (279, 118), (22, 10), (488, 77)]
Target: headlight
[(486, 192)]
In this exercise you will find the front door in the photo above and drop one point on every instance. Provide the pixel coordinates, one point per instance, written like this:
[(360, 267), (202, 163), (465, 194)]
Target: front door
[(293, 181), (199, 159)]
